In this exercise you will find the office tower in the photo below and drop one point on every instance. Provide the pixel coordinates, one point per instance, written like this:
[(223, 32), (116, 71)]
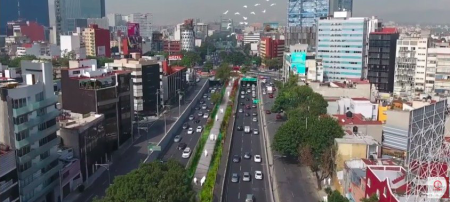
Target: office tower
[(304, 13), (410, 65), (342, 45), (271, 48), (381, 62), (103, 91), (145, 23), (29, 127), (438, 61), (341, 5), (97, 41), (76, 9), (201, 30), (26, 10), (187, 36), (300, 35)]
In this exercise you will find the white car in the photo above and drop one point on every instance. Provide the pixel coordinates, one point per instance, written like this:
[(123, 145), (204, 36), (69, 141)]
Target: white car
[(264, 92), (258, 175), (257, 158), (255, 119), (242, 96), (199, 129), (190, 131), (205, 115), (186, 153)]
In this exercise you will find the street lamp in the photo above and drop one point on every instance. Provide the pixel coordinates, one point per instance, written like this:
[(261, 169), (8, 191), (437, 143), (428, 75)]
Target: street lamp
[(179, 101), (165, 119), (106, 166)]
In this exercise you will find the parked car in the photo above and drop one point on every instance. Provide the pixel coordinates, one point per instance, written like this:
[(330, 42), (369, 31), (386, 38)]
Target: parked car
[(186, 153)]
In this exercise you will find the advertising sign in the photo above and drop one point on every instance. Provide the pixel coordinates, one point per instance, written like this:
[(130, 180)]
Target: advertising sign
[(298, 61), (134, 44), (133, 29), (175, 57)]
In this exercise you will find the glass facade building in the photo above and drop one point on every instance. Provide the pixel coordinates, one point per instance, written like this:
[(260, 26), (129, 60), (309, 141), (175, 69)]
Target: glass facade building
[(66, 10), (305, 13), (33, 10)]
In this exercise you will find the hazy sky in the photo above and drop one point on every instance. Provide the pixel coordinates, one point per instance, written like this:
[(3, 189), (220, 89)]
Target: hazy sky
[(174, 11)]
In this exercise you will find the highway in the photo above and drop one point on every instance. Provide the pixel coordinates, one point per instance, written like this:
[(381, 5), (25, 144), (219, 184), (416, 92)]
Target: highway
[(240, 144), (190, 140)]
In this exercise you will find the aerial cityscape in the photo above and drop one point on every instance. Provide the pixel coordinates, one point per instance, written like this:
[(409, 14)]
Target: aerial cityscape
[(224, 101)]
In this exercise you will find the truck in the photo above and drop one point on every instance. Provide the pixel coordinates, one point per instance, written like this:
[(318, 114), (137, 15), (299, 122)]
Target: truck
[(269, 89)]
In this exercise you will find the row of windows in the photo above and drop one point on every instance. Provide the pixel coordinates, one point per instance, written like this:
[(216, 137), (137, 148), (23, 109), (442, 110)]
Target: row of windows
[(338, 51), (342, 40), (339, 35), (339, 56), (340, 46), (342, 62), (344, 68), (343, 73)]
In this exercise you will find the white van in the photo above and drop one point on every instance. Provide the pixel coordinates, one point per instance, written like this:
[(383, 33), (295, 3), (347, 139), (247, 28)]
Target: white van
[(247, 129)]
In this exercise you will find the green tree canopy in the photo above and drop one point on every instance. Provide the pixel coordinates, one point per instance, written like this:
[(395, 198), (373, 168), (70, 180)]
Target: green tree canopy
[(216, 97), (288, 138), (208, 66), (190, 59), (335, 196), (247, 48), (16, 62), (223, 72), (164, 182)]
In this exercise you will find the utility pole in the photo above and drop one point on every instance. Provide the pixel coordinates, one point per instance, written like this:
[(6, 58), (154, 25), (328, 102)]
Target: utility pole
[(165, 119), (157, 103), (179, 102)]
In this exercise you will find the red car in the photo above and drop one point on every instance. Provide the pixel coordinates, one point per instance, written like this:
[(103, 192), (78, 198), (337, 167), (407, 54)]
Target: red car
[(247, 107), (279, 117), (268, 112), (271, 95)]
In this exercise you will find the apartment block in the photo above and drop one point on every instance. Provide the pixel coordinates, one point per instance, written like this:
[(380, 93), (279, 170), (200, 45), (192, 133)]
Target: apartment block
[(438, 61), (9, 181), (271, 48), (410, 66), (145, 23), (342, 46), (97, 41), (28, 119)]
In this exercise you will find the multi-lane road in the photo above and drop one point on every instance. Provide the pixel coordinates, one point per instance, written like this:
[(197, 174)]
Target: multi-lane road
[(191, 140), (240, 144)]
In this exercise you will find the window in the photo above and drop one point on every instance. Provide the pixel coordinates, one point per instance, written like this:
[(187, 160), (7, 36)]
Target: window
[(24, 150), (41, 111), (22, 135), (45, 155), (19, 103), (384, 191), (39, 96), (368, 182), (378, 193), (25, 166), (47, 139)]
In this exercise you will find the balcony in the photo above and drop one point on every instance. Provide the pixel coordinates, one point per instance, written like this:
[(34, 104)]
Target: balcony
[(37, 166), (7, 185), (36, 136), (36, 121), (41, 180), (35, 106), (35, 152)]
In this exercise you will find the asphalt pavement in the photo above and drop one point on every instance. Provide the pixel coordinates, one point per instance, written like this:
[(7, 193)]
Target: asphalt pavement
[(240, 144), (294, 183), (190, 140), (130, 157)]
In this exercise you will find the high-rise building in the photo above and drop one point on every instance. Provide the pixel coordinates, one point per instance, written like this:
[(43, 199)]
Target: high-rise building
[(187, 35), (341, 5), (77, 9), (145, 23), (32, 30), (381, 63), (29, 127), (26, 10), (271, 48), (342, 46), (301, 35), (304, 13), (201, 30), (8, 174), (97, 41), (252, 37), (438, 61)]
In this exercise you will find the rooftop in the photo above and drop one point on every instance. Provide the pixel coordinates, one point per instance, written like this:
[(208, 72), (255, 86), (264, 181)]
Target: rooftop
[(360, 99), (387, 30), (355, 119), (395, 174), (352, 139), (71, 120)]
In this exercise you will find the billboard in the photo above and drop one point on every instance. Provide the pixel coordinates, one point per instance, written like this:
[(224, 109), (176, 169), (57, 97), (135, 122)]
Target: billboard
[(132, 45), (175, 57), (298, 61), (133, 29), (271, 25)]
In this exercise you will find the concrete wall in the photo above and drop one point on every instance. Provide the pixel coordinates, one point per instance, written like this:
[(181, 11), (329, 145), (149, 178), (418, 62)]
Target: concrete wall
[(172, 132)]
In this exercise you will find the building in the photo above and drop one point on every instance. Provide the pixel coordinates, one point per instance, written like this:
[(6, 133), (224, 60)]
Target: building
[(410, 66), (353, 146), (101, 22), (174, 83), (439, 59), (172, 47), (146, 76), (381, 62), (115, 19), (301, 35), (70, 174), (298, 61), (157, 41), (386, 182), (32, 30), (357, 124), (200, 30), (9, 191), (145, 23), (76, 9), (358, 105), (96, 41), (73, 24), (103, 91), (271, 48), (341, 46), (43, 50), (313, 10), (36, 11), (72, 44), (252, 38), (29, 128), (341, 5), (85, 134), (187, 35)]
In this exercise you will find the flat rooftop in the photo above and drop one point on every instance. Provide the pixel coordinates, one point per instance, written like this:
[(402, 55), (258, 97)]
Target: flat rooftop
[(356, 119), (71, 120), (395, 174), (351, 139)]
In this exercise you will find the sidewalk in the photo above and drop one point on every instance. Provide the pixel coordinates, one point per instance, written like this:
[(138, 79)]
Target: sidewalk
[(205, 160)]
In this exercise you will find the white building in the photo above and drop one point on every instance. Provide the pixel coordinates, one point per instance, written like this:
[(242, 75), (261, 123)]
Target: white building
[(361, 106), (315, 70), (101, 22), (201, 30), (342, 46), (72, 44), (438, 61), (410, 66), (252, 37), (145, 23), (115, 19), (187, 40), (41, 50)]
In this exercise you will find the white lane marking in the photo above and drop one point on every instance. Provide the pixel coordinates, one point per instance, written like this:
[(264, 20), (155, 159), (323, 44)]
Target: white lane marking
[(239, 195), (292, 194)]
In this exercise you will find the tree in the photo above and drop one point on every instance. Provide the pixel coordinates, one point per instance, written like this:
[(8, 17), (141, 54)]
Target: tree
[(16, 62), (223, 72), (216, 97), (335, 196), (190, 59), (4, 59), (372, 198), (288, 137), (247, 48), (244, 69), (291, 98), (165, 182), (208, 66)]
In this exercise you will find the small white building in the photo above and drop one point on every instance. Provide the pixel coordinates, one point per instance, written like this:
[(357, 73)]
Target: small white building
[(42, 50), (361, 106), (72, 44)]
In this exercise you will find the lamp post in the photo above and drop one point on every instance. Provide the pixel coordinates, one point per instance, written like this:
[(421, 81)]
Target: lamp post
[(157, 103), (106, 166), (179, 102), (165, 119)]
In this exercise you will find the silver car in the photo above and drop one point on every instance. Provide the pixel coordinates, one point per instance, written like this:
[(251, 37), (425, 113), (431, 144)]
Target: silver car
[(246, 177), (177, 138)]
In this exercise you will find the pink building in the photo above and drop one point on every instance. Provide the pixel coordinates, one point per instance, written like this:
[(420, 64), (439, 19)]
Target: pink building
[(386, 182)]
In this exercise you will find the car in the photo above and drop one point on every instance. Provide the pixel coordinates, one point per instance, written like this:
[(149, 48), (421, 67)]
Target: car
[(204, 106), (247, 107), (246, 177), (185, 126), (279, 117), (177, 138), (254, 114), (186, 153), (268, 112), (209, 98), (255, 131), (247, 129), (199, 129), (271, 95), (205, 95), (242, 96), (197, 121), (190, 131), (200, 114), (191, 117), (241, 103), (239, 128), (248, 85), (253, 96), (247, 114), (182, 146), (248, 90), (264, 92), (253, 106), (258, 175), (202, 102), (250, 198), (255, 119), (257, 158), (205, 115), (235, 178), (208, 109), (241, 110), (197, 108), (242, 92), (236, 158), (247, 155)]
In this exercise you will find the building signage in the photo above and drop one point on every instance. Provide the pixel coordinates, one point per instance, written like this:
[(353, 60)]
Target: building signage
[(133, 29), (298, 62), (175, 57)]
